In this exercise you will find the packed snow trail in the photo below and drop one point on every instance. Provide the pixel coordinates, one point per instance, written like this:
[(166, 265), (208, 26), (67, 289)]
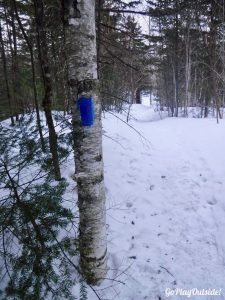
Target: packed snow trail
[(165, 185), (166, 205)]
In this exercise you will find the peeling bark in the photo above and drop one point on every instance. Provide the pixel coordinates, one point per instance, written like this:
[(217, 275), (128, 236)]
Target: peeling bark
[(79, 18)]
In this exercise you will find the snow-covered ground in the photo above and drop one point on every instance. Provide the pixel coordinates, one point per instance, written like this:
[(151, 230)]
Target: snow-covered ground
[(165, 186), (165, 205)]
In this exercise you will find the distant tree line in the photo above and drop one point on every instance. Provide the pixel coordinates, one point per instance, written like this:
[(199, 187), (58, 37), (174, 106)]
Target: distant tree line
[(31, 38), (190, 55), (181, 59)]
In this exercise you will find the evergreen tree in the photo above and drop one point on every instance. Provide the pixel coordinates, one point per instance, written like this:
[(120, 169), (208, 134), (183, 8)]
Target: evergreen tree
[(32, 214)]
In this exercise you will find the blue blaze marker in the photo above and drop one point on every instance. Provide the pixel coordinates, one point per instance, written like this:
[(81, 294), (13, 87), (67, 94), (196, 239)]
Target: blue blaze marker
[(86, 107)]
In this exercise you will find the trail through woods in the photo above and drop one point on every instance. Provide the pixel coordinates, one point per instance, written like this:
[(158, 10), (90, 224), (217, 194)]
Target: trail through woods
[(166, 204), (165, 188)]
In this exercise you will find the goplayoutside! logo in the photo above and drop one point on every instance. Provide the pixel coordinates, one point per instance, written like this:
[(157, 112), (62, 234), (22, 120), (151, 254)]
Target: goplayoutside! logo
[(192, 292)]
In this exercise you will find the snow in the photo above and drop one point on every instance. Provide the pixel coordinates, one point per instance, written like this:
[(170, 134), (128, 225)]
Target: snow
[(166, 209), (165, 187)]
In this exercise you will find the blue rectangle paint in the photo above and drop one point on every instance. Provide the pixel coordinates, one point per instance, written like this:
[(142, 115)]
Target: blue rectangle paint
[(86, 108)]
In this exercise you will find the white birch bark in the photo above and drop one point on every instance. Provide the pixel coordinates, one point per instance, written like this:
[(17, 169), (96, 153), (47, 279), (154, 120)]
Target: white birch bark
[(82, 68)]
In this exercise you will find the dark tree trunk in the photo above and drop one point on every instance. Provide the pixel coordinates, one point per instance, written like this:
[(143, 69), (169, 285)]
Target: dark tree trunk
[(213, 57), (6, 77), (138, 96), (206, 107), (176, 64), (33, 77), (46, 75), (15, 70)]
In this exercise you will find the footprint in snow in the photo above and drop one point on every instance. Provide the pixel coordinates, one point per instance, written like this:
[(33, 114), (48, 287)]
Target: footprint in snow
[(219, 182), (212, 201), (131, 182)]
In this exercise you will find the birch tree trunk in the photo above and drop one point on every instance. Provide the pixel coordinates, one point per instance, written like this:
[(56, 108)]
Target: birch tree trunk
[(79, 20)]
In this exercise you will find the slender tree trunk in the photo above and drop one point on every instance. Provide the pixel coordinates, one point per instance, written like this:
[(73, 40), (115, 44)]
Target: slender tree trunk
[(195, 99), (6, 77), (11, 41), (83, 80), (212, 58), (176, 63), (201, 88), (138, 95), (169, 97), (15, 70), (46, 75), (33, 76), (187, 75), (206, 108), (175, 92), (99, 34)]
